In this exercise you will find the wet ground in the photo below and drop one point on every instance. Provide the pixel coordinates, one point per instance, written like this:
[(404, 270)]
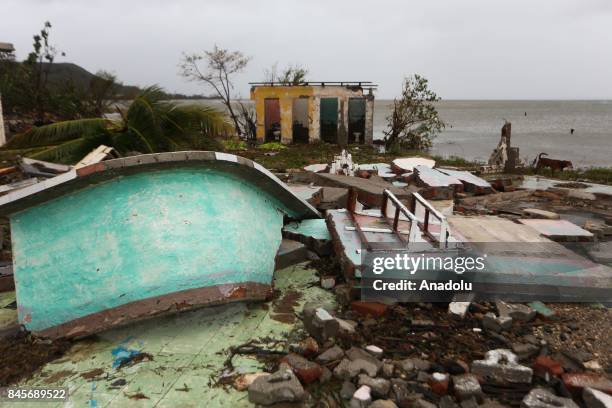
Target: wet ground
[(187, 352)]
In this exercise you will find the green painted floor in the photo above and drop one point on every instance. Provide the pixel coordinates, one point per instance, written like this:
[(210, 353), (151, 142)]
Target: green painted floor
[(186, 348)]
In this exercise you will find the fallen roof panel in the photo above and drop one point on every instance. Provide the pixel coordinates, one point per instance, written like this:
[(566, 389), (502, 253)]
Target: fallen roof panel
[(434, 178), (466, 177)]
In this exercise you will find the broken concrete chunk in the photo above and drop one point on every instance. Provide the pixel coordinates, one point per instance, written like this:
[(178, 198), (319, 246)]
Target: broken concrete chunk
[(466, 386), (496, 324), (558, 230), (413, 364), (290, 253), (469, 403), (361, 397), (326, 375), (388, 369), (320, 324), (592, 365), (373, 309), (471, 183), (243, 381), (407, 164), (312, 233), (348, 369), (316, 168), (347, 327), (363, 366), (525, 351), (421, 403), (447, 402), (355, 353), (537, 213), (281, 386), (501, 366), (347, 390), (379, 386), (541, 398), (383, 404), (544, 365), (375, 351), (576, 382), (596, 399), (341, 371), (333, 354), (458, 309), (306, 370), (439, 383), (516, 311)]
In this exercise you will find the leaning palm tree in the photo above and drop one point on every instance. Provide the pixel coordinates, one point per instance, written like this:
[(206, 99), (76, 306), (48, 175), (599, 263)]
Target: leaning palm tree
[(149, 125)]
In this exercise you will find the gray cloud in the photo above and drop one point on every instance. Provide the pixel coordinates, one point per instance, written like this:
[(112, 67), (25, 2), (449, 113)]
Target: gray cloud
[(472, 49)]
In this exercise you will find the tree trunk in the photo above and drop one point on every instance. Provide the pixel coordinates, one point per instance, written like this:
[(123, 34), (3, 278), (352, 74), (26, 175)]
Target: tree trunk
[(228, 105)]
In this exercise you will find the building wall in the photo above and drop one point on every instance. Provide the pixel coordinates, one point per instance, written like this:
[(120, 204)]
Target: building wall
[(286, 94), (369, 120), (140, 236), (2, 130)]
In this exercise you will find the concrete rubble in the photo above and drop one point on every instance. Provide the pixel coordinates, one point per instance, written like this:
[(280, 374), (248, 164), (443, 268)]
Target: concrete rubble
[(357, 353)]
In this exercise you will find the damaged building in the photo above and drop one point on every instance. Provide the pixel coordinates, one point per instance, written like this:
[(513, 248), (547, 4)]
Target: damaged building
[(332, 112), (5, 48)]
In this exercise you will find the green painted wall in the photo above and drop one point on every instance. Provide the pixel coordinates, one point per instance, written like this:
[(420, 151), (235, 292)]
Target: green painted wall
[(141, 236)]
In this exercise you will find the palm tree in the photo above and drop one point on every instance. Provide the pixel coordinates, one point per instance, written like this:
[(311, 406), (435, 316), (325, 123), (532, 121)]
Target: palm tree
[(149, 125)]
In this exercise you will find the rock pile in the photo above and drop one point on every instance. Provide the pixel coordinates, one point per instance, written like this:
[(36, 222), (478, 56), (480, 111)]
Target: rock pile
[(335, 365)]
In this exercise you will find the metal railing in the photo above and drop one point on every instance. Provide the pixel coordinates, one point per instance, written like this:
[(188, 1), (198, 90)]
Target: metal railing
[(416, 225)]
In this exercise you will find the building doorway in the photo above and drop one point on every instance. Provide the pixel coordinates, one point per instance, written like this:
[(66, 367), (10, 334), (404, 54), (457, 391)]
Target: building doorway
[(272, 120), (329, 120), (356, 118), (300, 120)]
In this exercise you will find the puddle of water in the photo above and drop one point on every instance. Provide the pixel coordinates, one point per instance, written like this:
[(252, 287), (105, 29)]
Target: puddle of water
[(541, 183)]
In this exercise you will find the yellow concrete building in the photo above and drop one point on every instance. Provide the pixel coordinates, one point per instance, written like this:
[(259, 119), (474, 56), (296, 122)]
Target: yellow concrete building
[(333, 112)]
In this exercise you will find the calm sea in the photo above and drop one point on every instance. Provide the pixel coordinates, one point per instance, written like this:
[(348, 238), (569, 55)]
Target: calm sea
[(473, 129)]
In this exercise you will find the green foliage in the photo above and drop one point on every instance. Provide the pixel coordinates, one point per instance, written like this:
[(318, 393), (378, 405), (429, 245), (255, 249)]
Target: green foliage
[(45, 91), (233, 144), (149, 125), (455, 161), (272, 146), (290, 75), (414, 122)]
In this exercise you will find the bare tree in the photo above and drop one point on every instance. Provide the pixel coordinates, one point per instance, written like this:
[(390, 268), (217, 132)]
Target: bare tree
[(220, 66), (414, 121), (290, 75)]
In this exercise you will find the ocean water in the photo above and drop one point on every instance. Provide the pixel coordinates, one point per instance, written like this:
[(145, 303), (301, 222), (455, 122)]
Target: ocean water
[(474, 128)]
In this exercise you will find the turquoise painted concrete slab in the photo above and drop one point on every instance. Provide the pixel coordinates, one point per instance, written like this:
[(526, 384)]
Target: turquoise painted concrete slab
[(138, 243), (316, 229)]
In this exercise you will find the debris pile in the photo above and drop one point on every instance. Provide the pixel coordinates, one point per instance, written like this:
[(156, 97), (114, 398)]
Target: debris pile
[(373, 355)]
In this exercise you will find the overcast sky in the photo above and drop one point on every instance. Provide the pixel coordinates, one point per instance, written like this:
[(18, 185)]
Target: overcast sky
[(468, 49)]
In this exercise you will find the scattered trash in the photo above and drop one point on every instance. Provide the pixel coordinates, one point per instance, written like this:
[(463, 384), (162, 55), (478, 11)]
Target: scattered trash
[(125, 357)]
